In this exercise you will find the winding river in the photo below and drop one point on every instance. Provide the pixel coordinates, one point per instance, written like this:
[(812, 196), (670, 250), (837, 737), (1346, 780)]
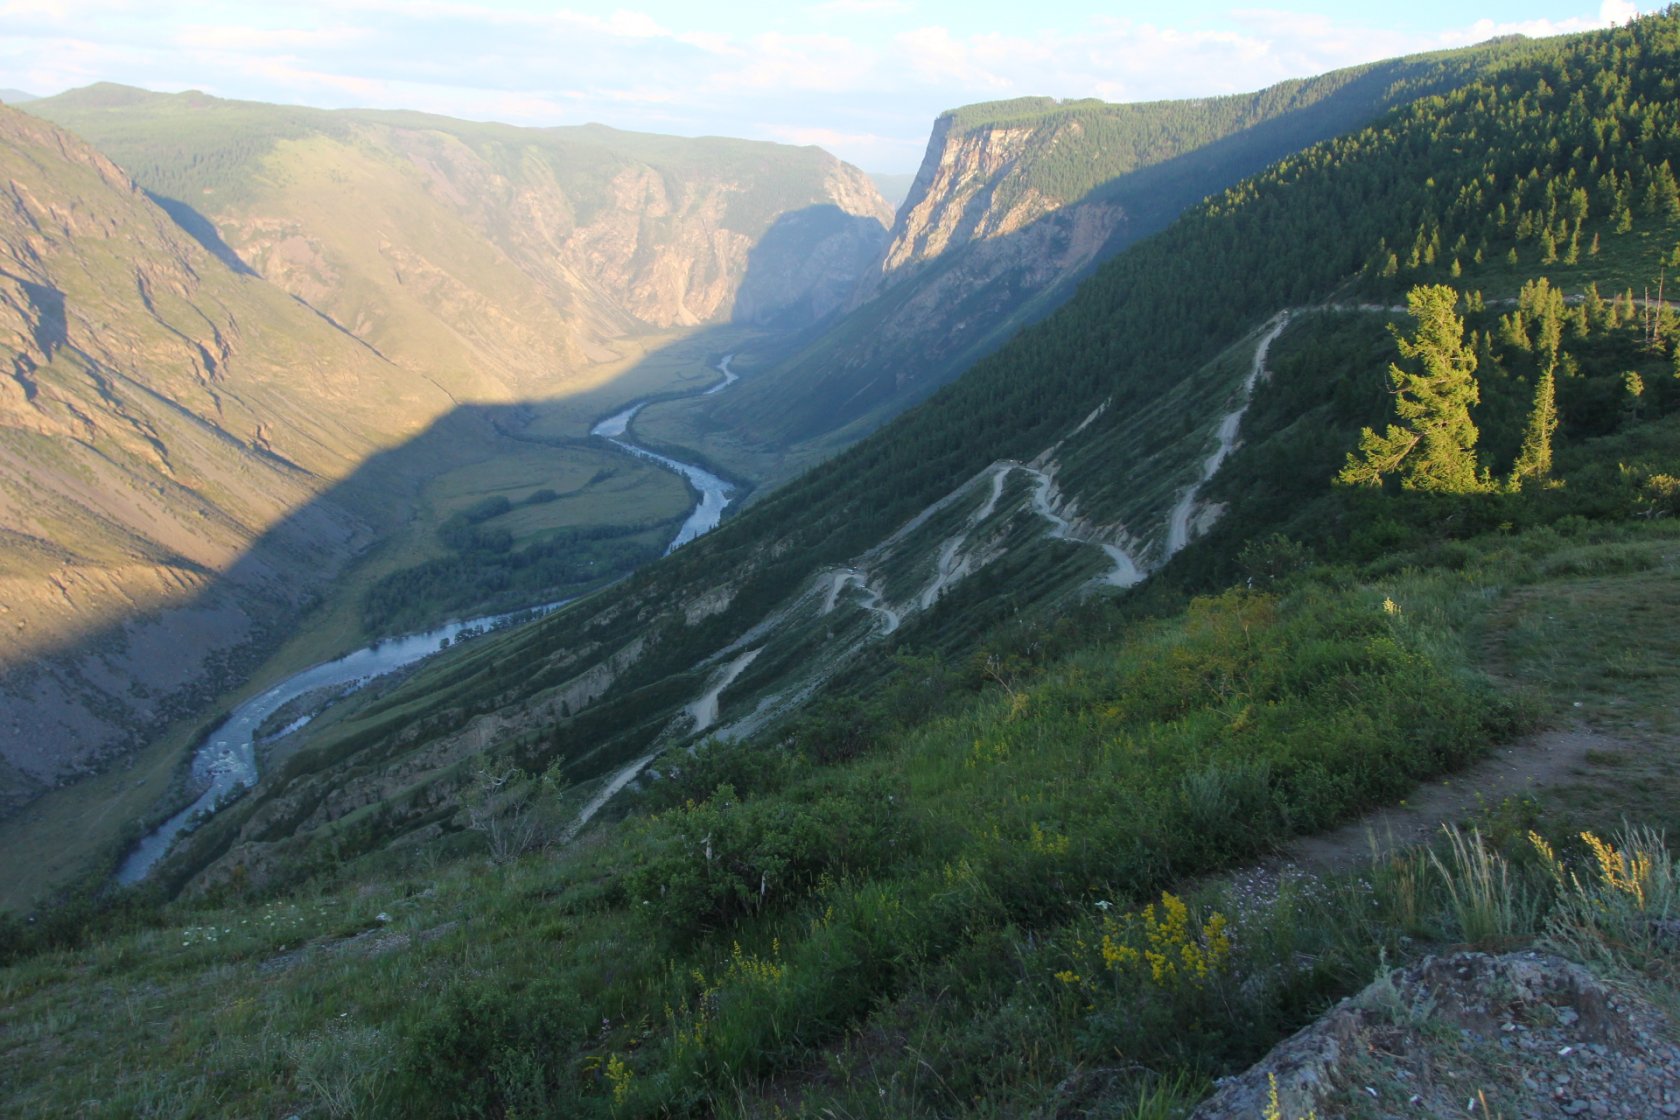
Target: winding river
[(227, 761), (714, 491)]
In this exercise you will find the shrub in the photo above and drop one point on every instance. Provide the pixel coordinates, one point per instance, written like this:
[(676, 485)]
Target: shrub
[(1620, 910), (488, 1051), (712, 863)]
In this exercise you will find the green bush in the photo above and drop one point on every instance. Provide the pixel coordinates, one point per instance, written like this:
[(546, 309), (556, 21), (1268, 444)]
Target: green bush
[(487, 1052), (710, 864)]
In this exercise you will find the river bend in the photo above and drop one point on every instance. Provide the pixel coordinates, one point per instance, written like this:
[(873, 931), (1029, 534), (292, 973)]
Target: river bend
[(227, 761)]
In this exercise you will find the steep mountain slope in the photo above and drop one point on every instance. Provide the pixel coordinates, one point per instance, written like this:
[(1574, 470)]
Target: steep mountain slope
[(1065, 461), (980, 875), (1017, 200), (176, 404), (495, 258), (151, 428)]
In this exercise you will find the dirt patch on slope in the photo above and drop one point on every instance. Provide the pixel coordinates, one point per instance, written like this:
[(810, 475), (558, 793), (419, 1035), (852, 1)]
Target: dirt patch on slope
[(1544, 761)]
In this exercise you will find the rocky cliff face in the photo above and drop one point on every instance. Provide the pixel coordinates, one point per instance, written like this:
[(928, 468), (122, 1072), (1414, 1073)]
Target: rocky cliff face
[(974, 187), (500, 261), (978, 239)]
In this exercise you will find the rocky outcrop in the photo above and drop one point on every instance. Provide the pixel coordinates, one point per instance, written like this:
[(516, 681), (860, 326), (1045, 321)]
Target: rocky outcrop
[(975, 186), (1523, 1034)]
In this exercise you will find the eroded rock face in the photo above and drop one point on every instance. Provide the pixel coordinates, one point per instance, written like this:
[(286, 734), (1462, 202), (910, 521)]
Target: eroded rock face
[(954, 306), (976, 242), (974, 187), (540, 254)]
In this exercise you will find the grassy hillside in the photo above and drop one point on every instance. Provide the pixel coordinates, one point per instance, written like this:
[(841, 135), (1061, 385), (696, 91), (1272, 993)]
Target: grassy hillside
[(608, 229), (210, 151), (864, 913), (979, 873)]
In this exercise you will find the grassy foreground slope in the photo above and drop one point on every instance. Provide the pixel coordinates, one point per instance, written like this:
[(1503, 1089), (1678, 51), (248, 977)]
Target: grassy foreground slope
[(940, 892), (925, 907)]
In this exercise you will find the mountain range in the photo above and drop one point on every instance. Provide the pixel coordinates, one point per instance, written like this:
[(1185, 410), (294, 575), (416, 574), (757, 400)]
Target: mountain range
[(1078, 564)]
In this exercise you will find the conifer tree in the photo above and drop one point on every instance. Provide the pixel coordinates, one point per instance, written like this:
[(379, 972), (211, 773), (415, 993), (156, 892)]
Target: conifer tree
[(1434, 446), (1534, 460)]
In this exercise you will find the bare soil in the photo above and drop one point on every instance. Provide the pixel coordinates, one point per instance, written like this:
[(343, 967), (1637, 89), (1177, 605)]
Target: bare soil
[(1541, 762)]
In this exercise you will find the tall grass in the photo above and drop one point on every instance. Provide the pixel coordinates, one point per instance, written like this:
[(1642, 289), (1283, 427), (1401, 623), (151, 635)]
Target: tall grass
[(1490, 906)]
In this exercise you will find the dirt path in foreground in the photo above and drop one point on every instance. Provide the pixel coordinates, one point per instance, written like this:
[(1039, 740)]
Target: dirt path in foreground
[(1546, 760)]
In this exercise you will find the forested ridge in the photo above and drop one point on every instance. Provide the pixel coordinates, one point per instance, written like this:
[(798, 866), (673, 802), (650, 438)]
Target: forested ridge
[(1316, 227), (978, 875), (1124, 171), (1096, 143)]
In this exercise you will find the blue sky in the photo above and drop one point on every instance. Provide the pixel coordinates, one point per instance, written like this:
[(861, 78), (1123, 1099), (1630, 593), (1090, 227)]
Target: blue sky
[(862, 78)]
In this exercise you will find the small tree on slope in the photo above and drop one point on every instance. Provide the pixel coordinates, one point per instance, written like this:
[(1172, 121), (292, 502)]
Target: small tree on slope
[(1534, 460), (1434, 446)]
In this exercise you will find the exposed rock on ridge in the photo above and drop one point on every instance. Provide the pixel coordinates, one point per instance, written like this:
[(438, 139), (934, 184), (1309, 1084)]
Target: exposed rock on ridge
[(1523, 1034), (961, 197)]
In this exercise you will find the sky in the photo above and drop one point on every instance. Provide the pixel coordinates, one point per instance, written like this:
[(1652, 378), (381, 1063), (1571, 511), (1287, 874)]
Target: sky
[(862, 78)]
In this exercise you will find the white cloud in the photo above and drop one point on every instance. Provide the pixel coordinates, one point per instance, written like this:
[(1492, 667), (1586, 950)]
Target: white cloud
[(233, 38), (1610, 13), (862, 7), (780, 64), (937, 57), (1617, 11)]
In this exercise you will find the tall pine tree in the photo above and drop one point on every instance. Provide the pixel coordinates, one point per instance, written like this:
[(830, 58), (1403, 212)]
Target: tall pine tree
[(1534, 460), (1434, 446)]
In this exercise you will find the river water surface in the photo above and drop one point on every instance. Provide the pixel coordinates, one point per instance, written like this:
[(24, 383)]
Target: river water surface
[(227, 760), (714, 491)]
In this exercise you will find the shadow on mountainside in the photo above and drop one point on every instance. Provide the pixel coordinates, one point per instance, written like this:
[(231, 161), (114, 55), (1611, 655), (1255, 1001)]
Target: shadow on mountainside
[(129, 683), (200, 229), (805, 266)]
